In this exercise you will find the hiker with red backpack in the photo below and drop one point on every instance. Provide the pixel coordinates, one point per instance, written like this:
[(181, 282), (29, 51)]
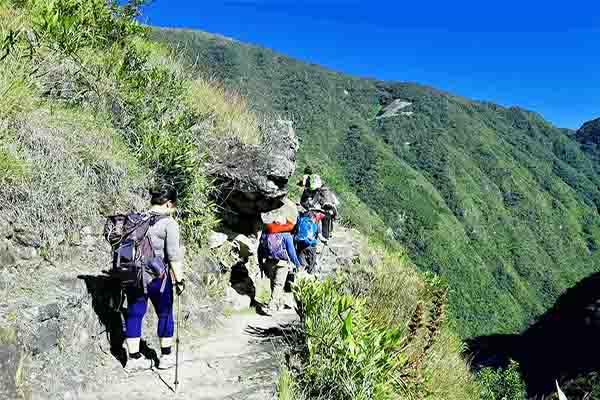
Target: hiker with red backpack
[(277, 258), (148, 261)]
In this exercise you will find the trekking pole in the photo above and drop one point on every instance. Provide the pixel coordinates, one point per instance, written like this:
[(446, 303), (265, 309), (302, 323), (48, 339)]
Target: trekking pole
[(176, 383)]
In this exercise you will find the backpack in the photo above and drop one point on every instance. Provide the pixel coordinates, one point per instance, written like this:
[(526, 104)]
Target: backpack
[(273, 246), (279, 228), (306, 234), (326, 199), (132, 250)]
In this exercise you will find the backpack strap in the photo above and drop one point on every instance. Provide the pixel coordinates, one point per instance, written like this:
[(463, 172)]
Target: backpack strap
[(154, 218)]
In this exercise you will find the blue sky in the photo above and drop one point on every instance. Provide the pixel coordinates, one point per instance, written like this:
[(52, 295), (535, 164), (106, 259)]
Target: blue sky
[(540, 55)]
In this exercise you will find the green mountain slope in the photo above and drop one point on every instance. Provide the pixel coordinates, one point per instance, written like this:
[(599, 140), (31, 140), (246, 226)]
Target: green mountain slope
[(496, 200)]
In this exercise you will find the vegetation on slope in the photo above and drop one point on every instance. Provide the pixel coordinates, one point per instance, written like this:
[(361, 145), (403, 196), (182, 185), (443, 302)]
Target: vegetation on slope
[(378, 330), (495, 200), (88, 98)]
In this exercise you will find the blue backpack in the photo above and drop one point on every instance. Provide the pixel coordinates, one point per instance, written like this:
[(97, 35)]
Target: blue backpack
[(273, 246), (306, 231)]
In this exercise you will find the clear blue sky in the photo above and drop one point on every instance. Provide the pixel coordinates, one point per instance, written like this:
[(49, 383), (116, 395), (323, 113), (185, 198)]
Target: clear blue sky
[(541, 55)]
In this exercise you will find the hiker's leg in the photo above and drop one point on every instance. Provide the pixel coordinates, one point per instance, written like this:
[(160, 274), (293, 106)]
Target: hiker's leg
[(280, 274), (311, 256), (163, 305), (304, 258), (137, 303), (327, 226), (268, 268)]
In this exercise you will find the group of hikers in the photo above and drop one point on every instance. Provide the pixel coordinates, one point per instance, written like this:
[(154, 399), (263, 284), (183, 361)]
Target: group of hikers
[(287, 246), (148, 260)]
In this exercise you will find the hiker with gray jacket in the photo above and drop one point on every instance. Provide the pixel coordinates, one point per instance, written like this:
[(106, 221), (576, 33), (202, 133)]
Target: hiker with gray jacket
[(165, 241)]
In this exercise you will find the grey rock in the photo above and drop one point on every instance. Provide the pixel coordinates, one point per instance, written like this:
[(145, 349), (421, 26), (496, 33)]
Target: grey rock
[(247, 247), (8, 253), (216, 239), (26, 253), (9, 359), (28, 238), (46, 337), (255, 177), (236, 301), (241, 281), (87, 231), (6, 229), (48, 312)]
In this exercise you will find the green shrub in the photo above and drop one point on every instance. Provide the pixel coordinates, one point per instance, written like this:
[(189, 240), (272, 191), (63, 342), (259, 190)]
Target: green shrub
[(502, 384), (346, 357), (378, 330), (12, 169), (71, 25)]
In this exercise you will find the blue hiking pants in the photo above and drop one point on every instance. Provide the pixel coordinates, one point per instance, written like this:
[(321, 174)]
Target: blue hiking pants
[(137, 304)]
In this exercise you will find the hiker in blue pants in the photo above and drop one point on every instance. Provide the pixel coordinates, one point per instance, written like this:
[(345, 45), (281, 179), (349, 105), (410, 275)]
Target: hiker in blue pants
[(164, 237)]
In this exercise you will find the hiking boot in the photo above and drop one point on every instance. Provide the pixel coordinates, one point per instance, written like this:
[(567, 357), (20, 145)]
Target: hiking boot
[(167, 361), (138, 364)]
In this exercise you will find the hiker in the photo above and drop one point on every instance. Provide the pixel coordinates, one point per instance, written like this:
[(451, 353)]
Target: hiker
[(164, 238), (277, 258), (306, 233), (307, 173), (317, 197)]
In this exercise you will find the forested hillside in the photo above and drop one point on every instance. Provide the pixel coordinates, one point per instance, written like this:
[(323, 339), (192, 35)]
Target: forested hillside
[(496, 200)]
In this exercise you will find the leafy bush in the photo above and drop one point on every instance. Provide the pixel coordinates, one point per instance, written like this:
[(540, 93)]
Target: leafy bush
[(346, 358), (586, 386), (13, 169), (71, 25), (502, 384), (377, 332)]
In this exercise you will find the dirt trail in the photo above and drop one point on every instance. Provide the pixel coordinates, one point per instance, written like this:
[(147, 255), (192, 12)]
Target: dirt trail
[(237, 361)]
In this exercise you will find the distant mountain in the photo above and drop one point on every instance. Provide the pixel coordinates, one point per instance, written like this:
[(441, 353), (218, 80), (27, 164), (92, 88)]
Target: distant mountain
[(495, 200), (589, 137)]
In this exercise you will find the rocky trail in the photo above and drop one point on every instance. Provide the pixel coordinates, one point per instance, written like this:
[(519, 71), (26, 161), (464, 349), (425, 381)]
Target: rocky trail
[(237, 361)]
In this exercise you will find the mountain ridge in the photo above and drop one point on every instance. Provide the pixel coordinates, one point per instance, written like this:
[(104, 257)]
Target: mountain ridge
[(495, 200)]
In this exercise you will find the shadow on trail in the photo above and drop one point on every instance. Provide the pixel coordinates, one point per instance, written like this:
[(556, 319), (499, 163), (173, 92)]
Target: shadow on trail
[(284, 330), (107, 302), (561, 345)]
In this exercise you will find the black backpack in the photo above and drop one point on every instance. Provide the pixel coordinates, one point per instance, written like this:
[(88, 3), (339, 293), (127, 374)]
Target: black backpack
[(132, 249)]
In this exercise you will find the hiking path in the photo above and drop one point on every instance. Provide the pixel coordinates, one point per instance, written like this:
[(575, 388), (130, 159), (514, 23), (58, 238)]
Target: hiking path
[(239, 360)]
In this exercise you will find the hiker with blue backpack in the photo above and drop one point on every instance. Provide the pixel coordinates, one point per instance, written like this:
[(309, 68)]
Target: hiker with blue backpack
[(306, 235), (277, 258), (148, 261)]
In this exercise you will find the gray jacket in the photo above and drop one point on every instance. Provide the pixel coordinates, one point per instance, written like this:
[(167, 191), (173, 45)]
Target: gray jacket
[(165, 239)]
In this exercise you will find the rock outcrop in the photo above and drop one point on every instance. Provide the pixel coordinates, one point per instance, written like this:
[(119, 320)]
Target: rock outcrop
[(253, 179)]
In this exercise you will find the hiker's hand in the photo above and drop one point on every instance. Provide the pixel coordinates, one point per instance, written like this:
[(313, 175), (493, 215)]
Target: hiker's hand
[(179, 287)]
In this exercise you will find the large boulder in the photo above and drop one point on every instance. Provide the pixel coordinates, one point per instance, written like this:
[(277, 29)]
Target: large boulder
[(253, 178)]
